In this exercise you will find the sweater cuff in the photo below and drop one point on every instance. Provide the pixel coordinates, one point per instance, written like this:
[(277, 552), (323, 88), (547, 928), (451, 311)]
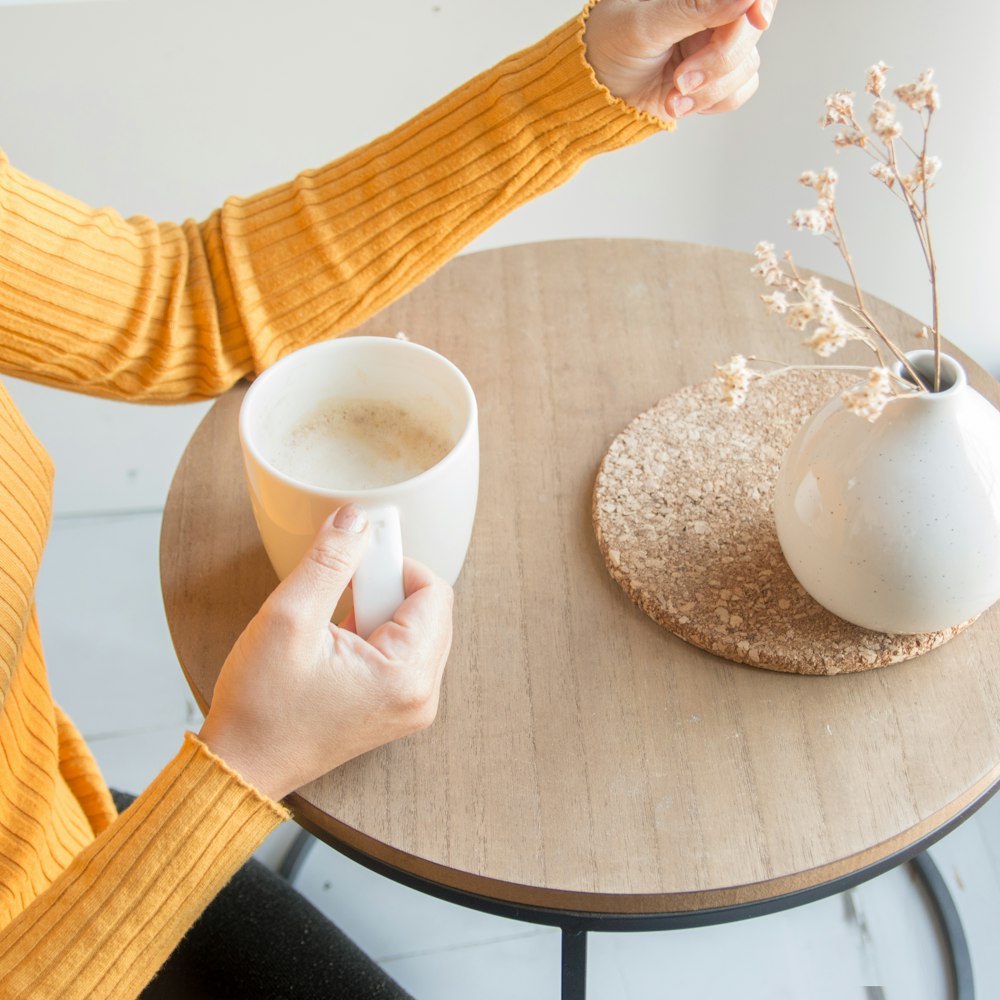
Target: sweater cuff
[(111, 919), (201, 752), (651, 122)]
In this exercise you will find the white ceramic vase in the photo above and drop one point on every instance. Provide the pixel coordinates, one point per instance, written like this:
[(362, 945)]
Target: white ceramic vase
[(894, 525)]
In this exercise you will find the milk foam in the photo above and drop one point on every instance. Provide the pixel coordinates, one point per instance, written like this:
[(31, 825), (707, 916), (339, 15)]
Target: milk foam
[(358, 444)]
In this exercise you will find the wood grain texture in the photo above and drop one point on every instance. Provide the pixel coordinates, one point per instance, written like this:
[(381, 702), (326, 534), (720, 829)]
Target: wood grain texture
[(585, 758)]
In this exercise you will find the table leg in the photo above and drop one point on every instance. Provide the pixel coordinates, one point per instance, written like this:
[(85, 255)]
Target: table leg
[(962, 984), (295, 855), (574, 964)]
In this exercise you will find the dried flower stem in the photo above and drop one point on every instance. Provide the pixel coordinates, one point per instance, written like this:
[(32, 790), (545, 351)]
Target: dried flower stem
[(783, 366), (918, 213), (923, 98), (815, 308), (840, 242)]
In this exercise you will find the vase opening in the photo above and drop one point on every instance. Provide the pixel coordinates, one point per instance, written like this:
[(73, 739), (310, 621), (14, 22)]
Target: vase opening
[(952, 373)]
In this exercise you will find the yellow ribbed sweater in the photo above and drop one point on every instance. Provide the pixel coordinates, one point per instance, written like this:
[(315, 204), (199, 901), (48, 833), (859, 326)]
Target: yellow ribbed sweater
[(91, 903)]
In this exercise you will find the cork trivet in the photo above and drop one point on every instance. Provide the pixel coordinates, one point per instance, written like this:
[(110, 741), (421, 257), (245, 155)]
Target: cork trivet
[(682, 512)]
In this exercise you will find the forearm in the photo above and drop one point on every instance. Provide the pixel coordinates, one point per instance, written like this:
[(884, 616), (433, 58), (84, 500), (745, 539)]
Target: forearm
[(110, 920), (318, 256), (132, 309)]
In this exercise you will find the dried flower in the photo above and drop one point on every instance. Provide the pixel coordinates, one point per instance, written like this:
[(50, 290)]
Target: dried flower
[(922, 95), (801, 315), (884, 173), (807, 303), (767, 266), (927, 168), (776, 303), (876, 79), (883, 121), (869, 399), (850, 137), (827, 339), (810, 220), (839, 109), (824, 182), (764, 250), (735, 377)]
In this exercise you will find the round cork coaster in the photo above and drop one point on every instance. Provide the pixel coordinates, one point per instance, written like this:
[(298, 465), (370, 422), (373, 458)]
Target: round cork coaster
[(682, 512)]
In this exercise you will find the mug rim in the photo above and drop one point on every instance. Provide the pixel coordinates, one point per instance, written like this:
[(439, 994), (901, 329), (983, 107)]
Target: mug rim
[(375, 492)]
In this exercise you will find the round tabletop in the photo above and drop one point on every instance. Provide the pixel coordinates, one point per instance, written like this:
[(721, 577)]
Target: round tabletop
[(585, 759)]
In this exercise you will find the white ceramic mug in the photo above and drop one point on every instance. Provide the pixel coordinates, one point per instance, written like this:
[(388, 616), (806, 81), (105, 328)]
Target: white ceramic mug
[(427, 517)]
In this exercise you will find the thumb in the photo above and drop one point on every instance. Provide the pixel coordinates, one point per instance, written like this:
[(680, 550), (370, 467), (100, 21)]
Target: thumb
[(315, 585)]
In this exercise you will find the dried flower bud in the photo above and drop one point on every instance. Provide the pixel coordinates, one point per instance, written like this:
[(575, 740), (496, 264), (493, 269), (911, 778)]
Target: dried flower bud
[(735, 378), (809, 220), (883, 121), (776, 303), (850, 137), (922, 333), (839, 109), (876, 79), (884, 173), (869, 399), (827, 339), (920, 95), (822, 300), (800, 315), (927, 167), (767, 266), (826, 184)]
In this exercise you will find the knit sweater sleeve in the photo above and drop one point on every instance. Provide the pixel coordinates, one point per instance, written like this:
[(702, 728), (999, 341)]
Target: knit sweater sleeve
[(111, 919), (132, 309)]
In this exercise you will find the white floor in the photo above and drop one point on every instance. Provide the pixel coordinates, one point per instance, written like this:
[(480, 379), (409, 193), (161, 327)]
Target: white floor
[(104, 630)]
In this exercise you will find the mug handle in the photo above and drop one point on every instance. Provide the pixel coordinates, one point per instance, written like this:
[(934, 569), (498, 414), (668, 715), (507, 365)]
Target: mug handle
[(378, 580)]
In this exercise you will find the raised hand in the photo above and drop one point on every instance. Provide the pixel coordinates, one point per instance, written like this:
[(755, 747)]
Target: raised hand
[(673, 58)]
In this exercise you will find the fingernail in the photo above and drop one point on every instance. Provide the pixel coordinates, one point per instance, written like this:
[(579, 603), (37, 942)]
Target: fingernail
[(689, 82), (350, 518), (767, 10), (682, 105)]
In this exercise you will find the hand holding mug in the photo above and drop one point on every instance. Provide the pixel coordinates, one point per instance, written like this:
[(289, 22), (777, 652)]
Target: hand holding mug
[(298, 696)]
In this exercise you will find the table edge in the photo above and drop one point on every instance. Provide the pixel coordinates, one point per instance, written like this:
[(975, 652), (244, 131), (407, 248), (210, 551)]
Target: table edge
[(539, 902)]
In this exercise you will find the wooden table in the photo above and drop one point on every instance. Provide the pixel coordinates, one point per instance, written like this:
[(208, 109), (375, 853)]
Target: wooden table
[(587, 767)]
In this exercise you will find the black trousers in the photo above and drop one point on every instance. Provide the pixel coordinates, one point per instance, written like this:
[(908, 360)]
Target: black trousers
[(260, 940)]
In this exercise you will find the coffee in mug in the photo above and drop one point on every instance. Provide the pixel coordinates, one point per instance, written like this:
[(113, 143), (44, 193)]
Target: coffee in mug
[(382, 423), (360, 444)]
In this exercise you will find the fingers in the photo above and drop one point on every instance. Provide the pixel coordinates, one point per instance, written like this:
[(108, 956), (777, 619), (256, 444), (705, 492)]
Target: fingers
[(713, 72), (424, 618), (761, 14), (428, 605), (415, 645), (313, 588), (736, 99)]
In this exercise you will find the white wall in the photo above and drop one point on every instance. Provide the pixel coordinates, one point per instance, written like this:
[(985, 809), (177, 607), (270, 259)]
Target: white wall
[(164, 107)]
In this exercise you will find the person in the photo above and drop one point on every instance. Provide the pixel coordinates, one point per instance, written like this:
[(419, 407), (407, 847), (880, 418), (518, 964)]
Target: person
[(93, 901)]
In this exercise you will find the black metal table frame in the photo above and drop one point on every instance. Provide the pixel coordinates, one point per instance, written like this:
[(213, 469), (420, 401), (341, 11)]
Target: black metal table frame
[(576, 925)]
